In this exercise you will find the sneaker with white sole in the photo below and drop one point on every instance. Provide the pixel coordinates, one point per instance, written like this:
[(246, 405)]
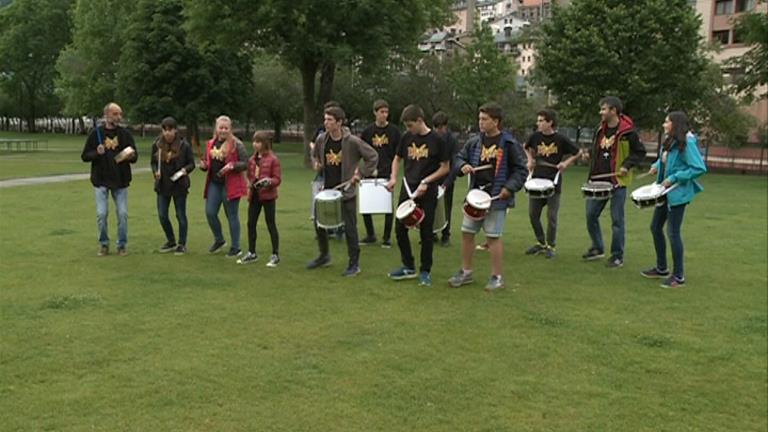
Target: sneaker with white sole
[(494, 283), (274, 260), (460, 278), (248, 258)]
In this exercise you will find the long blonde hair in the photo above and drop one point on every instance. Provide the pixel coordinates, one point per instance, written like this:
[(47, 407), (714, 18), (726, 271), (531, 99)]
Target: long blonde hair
[(229, 144)]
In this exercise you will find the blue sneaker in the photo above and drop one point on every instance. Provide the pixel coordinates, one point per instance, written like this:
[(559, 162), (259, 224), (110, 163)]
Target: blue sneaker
[(351, 271), (425, 279), (402, 273)]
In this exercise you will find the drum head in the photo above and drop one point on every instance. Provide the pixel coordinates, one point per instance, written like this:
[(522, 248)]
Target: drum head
[(479, 199), (405, 208), (328, 195), (539, 184), (650, 191)]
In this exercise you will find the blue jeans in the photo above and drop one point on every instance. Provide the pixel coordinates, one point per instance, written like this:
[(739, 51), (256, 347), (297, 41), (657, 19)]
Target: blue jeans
[(217, 195), (674, 216), (594, 209), (180, 204), (120, 196)]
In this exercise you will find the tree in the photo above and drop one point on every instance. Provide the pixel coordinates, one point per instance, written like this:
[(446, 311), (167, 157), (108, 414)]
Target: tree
[(314, 37), (34, 31), (480, 75), (752, 65), (162, 73), (277, 92), (647, 52), (88, 66)]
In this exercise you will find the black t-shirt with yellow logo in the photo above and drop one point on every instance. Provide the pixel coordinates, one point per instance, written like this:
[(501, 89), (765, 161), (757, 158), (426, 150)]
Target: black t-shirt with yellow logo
[(384, 140), (551, 149), (422, 155), (332, 170), (488, 156)]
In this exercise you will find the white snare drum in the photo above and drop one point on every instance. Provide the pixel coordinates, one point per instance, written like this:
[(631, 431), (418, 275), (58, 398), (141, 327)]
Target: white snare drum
[(540, 188), (440, 221), (476, 204), (597, 190), (374, 197), (410, 214), (652, 195), (328, 209)]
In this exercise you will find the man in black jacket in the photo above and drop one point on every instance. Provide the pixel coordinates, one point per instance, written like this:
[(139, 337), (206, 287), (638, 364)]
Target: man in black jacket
[(110, 149)]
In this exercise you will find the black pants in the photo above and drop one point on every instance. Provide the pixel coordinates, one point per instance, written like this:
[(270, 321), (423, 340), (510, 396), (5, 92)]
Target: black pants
[(369, 230), (428, 201), (535, 206), (448, 198), (349, 216), (254, 210)]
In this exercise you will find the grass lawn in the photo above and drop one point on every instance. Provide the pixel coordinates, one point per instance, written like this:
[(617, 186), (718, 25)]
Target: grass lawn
[(153, 342)]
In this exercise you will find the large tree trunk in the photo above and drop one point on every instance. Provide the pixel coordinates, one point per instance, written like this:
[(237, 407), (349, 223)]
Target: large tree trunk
[(193, 134), (327, 76), (277, 124), (308, 72)]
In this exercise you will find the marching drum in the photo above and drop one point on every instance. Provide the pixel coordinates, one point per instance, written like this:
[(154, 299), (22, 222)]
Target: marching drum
[(476, 204), (652, 195), (328, 209), (374, 197), (540, 188), (410, 214), (440, 221), (316, 187), (597, 190)]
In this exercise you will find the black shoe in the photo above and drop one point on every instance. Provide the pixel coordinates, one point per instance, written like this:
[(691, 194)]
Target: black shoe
[(593, 254), (216, 246), (368, 240), (386, 244), (615, 262), (233, 253), (352, 270), (180, 249), (168, 247), (445, 242), (321, 261)]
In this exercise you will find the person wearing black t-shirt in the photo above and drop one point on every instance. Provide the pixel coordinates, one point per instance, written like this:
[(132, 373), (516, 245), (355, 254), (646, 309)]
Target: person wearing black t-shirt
[(440, 123), (425, 157), (615, 151), (106, 149), (506, 176), (549, 153), (384, 138)]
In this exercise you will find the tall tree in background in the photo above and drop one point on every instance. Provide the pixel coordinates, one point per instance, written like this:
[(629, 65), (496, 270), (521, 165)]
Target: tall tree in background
[(277, 92), (162, 73), (480, 75), (88, 66), (314, 37), (33, 33), (752, 65), (647, 52)]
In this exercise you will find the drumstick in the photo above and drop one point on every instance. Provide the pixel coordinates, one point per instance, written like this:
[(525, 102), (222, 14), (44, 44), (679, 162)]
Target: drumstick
[(645, 174), (343, 185), (546, 164), (483, 167), (598, 176), (407, 188), (491, 198)]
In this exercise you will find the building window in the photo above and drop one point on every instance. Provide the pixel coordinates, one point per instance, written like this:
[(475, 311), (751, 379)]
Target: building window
[(723, 7), (744, 5), (720, 36), (736, 38)]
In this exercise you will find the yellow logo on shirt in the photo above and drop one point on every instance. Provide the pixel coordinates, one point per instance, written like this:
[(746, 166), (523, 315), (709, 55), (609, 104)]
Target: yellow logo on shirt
[(380, 140), (416, 153), (488, 153), (111, 143), (546, 150), (219, 153), (607, 143), (332, 158)]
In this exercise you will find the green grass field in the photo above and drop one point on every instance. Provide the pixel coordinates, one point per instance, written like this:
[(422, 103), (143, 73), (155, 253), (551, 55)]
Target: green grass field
[(153, 342)]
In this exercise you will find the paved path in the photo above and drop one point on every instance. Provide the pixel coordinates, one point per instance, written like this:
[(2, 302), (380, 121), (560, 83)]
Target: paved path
[(32, 181)]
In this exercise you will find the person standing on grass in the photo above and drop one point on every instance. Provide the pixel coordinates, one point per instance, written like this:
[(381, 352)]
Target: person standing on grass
[(679, 164), (264, 177), (558, 153), (425, 157), (337, 154), (615, 151), (110, 149), (171, 163), (440, 123), (507, 175), (225, 161), (383, 136)]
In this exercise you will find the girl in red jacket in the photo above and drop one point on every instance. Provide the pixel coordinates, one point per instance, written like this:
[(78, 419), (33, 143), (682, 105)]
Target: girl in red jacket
[(263, 180)]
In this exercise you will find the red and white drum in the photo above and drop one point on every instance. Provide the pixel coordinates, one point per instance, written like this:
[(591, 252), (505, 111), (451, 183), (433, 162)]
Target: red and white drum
[(476, 204), (410, 214)]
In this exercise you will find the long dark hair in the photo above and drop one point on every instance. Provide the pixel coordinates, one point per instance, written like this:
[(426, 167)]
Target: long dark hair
[(680, 128)]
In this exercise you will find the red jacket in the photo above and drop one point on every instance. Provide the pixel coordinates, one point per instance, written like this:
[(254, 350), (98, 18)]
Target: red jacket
[(234, 182), (269, 167)]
